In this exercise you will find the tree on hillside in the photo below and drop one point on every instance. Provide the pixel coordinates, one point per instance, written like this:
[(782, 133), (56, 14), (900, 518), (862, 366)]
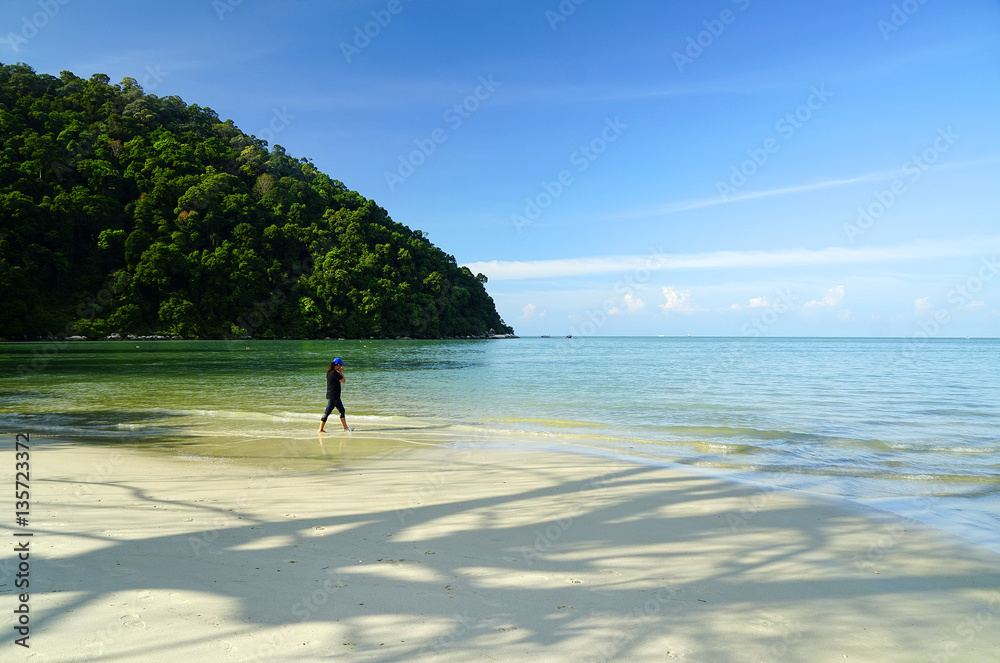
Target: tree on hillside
[(126, 212)]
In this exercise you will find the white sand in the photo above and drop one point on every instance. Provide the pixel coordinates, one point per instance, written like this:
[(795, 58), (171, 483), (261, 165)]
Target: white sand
[(443, 554)]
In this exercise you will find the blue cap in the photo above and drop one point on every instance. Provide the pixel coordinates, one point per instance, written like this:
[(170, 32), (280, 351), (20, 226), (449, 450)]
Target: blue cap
[(338, 362)]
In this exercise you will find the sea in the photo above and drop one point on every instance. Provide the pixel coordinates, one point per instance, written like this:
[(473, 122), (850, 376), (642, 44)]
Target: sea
[(910, 426)]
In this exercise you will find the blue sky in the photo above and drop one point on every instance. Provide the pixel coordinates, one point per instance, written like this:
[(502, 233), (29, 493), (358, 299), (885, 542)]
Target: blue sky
[(728, 168)]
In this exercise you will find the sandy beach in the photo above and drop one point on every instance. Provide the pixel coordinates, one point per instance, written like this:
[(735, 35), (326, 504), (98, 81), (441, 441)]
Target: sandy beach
[(471, 554)]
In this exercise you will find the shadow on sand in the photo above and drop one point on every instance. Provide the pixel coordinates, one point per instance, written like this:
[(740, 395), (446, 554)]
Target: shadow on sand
[(458, 560)]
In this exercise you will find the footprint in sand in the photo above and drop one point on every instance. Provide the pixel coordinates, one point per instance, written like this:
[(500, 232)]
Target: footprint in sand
[(133, 621), (224, 645), (177, 599), (89, 648)]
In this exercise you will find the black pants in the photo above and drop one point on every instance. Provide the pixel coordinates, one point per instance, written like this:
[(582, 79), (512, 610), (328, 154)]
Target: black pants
[(334, 403)]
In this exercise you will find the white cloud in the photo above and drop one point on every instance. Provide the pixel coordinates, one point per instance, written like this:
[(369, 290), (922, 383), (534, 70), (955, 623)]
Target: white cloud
[(833, 297), (633, 303), (676, 301), (759, 302), (975, 304), (614, 310), (500, 270), (528, 313), (922, 303)]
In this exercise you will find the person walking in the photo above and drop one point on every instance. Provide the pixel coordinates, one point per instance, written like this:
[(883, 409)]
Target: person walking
[(334, 378)]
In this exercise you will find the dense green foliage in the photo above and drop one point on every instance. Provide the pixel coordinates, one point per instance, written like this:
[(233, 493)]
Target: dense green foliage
[(125, 212)]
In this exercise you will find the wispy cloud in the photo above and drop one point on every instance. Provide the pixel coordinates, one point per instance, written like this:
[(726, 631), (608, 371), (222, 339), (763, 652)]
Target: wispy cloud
[(501, 270), (685, 205), (682, 206), (829, 183)]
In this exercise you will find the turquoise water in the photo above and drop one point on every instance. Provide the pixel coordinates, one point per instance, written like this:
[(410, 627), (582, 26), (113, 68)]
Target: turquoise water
[(912, 427)]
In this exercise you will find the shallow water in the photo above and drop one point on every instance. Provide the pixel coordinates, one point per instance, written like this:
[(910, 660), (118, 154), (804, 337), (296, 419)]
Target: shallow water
[(908, 426)]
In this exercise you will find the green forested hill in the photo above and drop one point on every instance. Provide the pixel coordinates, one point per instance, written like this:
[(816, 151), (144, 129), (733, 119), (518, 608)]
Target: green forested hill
[(125, 212)]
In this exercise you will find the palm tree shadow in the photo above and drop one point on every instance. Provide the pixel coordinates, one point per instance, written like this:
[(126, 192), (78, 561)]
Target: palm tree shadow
[(547, 561)]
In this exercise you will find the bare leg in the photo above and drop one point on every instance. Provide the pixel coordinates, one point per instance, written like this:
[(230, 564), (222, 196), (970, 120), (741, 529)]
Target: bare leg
[(344, 422), (322, 422)]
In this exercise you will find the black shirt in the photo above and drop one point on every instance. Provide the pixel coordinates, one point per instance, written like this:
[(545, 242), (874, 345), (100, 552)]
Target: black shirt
[(333, 379)]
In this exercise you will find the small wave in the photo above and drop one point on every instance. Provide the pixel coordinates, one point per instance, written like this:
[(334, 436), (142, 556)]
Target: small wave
[(944, 449)]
